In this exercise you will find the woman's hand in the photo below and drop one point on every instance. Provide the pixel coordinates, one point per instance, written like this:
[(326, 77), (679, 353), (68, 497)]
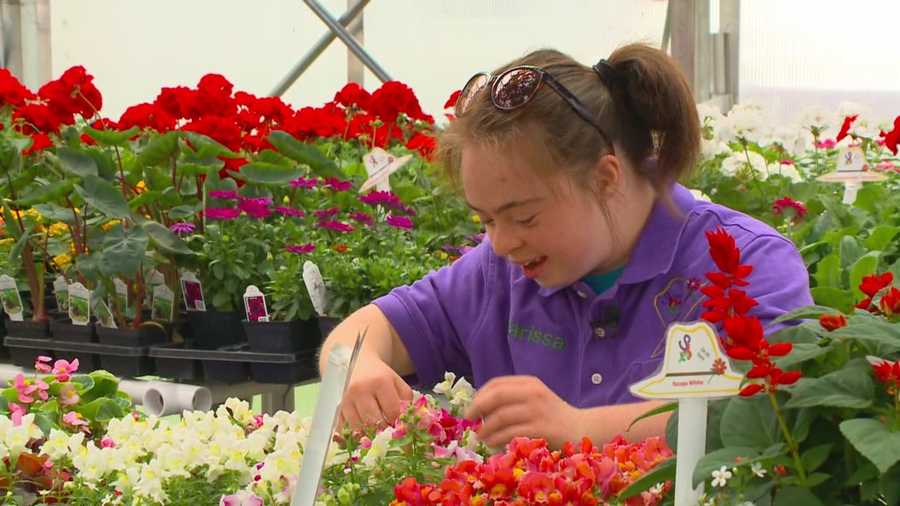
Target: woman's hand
[(514, 406), (375, 394)]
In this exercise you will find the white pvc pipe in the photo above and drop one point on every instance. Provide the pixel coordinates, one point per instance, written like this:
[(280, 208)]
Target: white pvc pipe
[(170, 398)]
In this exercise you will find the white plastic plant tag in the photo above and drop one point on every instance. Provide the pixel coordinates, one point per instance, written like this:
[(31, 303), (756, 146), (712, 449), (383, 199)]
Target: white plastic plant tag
[(192, 290), (156, 278), (694, 369), (119, 300), (104, 315), (315, 285), (852, 167), (12, 301), (379, 166), (61, 292), (79, 304), (163, 304), (255, 305)]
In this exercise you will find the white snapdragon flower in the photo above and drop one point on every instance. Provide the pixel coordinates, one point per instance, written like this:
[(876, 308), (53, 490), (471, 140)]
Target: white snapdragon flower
[(380, 446)]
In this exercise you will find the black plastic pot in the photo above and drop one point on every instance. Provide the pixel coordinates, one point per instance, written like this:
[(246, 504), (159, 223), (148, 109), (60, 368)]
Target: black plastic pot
[(65, 330), (214, 329), (283, 337), (148, 333), (216, 366), (24, 351), (122, 361), (234, 364), (28, 328)]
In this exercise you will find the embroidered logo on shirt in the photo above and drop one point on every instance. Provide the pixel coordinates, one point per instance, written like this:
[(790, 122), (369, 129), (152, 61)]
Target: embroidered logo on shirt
[(533, 335)]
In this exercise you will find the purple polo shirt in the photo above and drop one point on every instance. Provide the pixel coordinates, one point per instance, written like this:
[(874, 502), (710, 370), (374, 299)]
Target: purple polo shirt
[(482, 318)]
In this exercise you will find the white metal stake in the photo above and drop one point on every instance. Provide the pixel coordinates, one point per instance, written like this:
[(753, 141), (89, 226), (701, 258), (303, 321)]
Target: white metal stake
[(691, 448), (850, 190)]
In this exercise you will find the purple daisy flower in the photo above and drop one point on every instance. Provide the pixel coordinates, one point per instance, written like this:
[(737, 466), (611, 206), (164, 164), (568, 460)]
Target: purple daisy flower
[(300, 249), (323, 214), (336, 226), (399, 222), (182, 227), (290, 211), (376, 198)]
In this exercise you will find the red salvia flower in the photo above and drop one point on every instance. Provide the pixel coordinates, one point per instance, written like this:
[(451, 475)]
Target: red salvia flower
[(751, 390), (845, 127), (831, 322)]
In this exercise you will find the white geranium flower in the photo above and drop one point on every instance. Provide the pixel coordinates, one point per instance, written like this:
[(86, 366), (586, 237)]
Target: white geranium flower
[(743, 120), (815, 116), (721, 477), (740, 161)]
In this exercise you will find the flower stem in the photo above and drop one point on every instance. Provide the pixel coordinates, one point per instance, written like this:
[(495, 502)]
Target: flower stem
[(792, 445)]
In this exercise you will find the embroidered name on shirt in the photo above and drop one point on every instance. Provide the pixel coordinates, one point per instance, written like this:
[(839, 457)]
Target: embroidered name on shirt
[(533, 335)]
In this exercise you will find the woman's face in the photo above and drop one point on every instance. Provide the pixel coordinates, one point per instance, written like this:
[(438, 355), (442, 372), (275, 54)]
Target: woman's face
[(555, 231)]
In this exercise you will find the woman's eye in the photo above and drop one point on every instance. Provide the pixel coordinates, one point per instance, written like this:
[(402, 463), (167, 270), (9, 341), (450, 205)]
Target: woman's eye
[(527, 221)]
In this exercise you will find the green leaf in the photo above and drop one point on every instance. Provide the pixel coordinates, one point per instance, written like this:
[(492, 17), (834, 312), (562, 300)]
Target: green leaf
[(123, 251), (865, 327), (160, 149), (111, 137), (828, 272), (833, 296), (804, 313), (82, 383), (849, 387), (21, 242), (867, 264), (165, 240), (185, 211), (803, 352), (76, 162), (660, 474), (206, 147), (872, 439), (304, 153), (815, 479), (881, 237), (103, 196), (101, 410), (46, 421), (55, 212), (816, 456), (749, 423), (795, 496), (665, 408), (851, 251), (105, 385), (727, 457), (47, 193), (146, 197), (267, 173)]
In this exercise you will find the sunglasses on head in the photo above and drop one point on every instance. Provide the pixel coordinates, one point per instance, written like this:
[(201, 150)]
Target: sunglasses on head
[(516, 87)]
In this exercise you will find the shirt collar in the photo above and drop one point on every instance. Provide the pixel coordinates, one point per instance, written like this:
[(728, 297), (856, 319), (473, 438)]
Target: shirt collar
[(655, 249)]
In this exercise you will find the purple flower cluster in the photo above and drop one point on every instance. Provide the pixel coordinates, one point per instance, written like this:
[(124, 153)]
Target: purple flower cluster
[(363, 218), (324, 214), (182, 227)]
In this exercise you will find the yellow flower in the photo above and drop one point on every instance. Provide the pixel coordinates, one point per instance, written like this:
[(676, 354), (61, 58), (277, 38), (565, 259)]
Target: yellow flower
[(442, 255), (110, 224), (7, 241), (476, 219), (140, 187), (59, 228), (62, 261), (32, 213)]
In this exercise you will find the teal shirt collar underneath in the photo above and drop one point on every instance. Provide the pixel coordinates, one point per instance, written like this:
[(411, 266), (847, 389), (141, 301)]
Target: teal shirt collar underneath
[(603, 282)]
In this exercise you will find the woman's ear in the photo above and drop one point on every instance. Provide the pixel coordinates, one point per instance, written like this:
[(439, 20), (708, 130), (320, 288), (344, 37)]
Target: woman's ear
[(607, 175)]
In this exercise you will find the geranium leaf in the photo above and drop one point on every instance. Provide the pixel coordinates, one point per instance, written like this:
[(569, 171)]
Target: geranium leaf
[(804, 313), (268, 173), (863, 267), (75, 162), (872, 439), (111, 137), (881, 237), (159, 149), (304, 153)]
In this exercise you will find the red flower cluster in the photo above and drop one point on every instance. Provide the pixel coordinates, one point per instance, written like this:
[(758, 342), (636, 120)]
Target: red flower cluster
[(782, 204), (888, 373), (893, 137), (56, 104), (871, 285), (831, 322), (529, 473), (728, 306)]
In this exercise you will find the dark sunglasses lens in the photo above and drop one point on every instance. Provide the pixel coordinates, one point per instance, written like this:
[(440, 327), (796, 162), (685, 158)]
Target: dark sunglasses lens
[(469, 91), (515, 88)]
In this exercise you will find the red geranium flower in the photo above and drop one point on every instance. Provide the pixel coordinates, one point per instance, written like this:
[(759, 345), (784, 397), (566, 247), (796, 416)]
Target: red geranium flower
[(353, 95), (424, 144), (782, 204), (12, 92)]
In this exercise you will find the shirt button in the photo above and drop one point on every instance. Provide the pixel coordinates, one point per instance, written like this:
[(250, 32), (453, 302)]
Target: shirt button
[(600, 332), (596, 378), (582, 294)]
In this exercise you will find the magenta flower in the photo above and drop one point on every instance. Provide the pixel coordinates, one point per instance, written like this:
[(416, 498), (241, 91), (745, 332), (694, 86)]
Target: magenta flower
[(256, 207), (363, 218), (399, 222), (74, 419), (337, 185), (256, 202), (222, 213), (290, 211), (380, 198), (305, 183), (182, 227), (42, 364), (323, 214), (16, 413), (826, 144), (26, 389), (336, 226), (224, 194), (300, 249), (107, 442), (63, 369), (241, 498)]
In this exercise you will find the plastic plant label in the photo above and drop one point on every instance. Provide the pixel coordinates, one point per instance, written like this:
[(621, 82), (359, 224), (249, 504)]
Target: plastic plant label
[(163, 308), (79, 304), (104, 315), (852, 167), (192, 290), (12, 301), (379, 166), (694, 366), (851, 159), (61, 292), (156, 278), (119, 300), (255, 305), (315, 285)]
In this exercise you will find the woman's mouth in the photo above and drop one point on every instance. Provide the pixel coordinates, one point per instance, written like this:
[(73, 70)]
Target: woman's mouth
[(533, 268)]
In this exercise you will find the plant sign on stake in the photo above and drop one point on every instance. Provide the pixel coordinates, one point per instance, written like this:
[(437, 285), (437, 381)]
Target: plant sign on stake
[(120, 299), (79, 304), (163, 303), (104, 315), (379, 166), (12, 301), (192, 290), (852, 170), (61, 291), (694, 369), (334, 382), (315, 285), (255, 305)]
